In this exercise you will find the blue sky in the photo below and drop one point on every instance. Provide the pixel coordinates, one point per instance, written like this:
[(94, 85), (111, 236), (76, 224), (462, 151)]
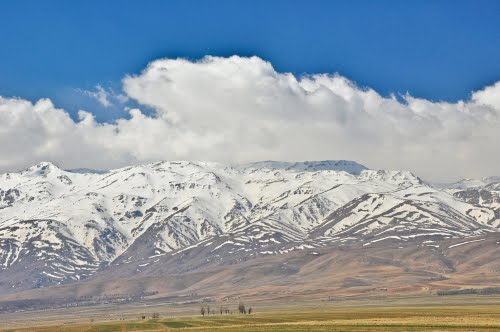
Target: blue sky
[(239, 103), (439, 50)]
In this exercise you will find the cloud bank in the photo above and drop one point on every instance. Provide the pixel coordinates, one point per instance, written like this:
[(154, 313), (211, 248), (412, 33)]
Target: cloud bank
[(240, 109)]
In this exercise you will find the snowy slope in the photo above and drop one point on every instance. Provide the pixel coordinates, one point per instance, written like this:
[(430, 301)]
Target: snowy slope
[(483, 192), (58, 226)]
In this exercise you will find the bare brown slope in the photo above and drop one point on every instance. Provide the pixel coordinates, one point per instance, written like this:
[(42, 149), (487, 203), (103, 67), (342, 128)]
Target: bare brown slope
[(368, 271)]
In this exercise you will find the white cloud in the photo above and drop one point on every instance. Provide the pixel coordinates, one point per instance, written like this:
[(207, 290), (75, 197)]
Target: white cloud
[(100, 94), (106, 97), (488, 96), (240, 109)]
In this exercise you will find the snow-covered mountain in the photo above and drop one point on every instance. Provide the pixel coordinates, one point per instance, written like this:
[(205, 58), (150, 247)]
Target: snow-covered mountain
[(60, 226)]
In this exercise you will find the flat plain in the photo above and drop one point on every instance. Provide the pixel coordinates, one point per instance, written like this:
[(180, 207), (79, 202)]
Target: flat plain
[(430, 313)]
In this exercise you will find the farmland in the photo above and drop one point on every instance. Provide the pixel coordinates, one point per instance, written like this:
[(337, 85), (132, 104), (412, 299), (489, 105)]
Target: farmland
[(417, 314)]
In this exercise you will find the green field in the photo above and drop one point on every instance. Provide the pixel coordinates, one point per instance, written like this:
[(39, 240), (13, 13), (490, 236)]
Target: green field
[(419, 318)]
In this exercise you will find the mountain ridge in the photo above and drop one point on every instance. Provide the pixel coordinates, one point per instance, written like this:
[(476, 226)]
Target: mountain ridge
[(60, 227)]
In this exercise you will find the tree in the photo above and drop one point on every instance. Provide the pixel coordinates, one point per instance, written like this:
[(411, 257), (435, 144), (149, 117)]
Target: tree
[(208, 310), (241, 308), (221, 311), (249, 311), (156, 315), (202, 311)]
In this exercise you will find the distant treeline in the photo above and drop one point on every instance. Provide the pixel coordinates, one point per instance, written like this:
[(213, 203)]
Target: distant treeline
[(479, 291)]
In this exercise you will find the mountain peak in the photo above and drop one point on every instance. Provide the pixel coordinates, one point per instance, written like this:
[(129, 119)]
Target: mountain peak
[(42, 168), (400, 176)]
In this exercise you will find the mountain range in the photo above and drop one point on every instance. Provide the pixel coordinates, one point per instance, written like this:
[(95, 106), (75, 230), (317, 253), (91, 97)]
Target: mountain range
[(178, 227)]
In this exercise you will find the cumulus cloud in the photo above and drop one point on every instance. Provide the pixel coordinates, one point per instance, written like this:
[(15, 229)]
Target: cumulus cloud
[(240, 109)]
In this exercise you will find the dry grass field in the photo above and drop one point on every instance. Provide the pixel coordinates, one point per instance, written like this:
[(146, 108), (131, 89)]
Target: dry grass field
[(420, 314)]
